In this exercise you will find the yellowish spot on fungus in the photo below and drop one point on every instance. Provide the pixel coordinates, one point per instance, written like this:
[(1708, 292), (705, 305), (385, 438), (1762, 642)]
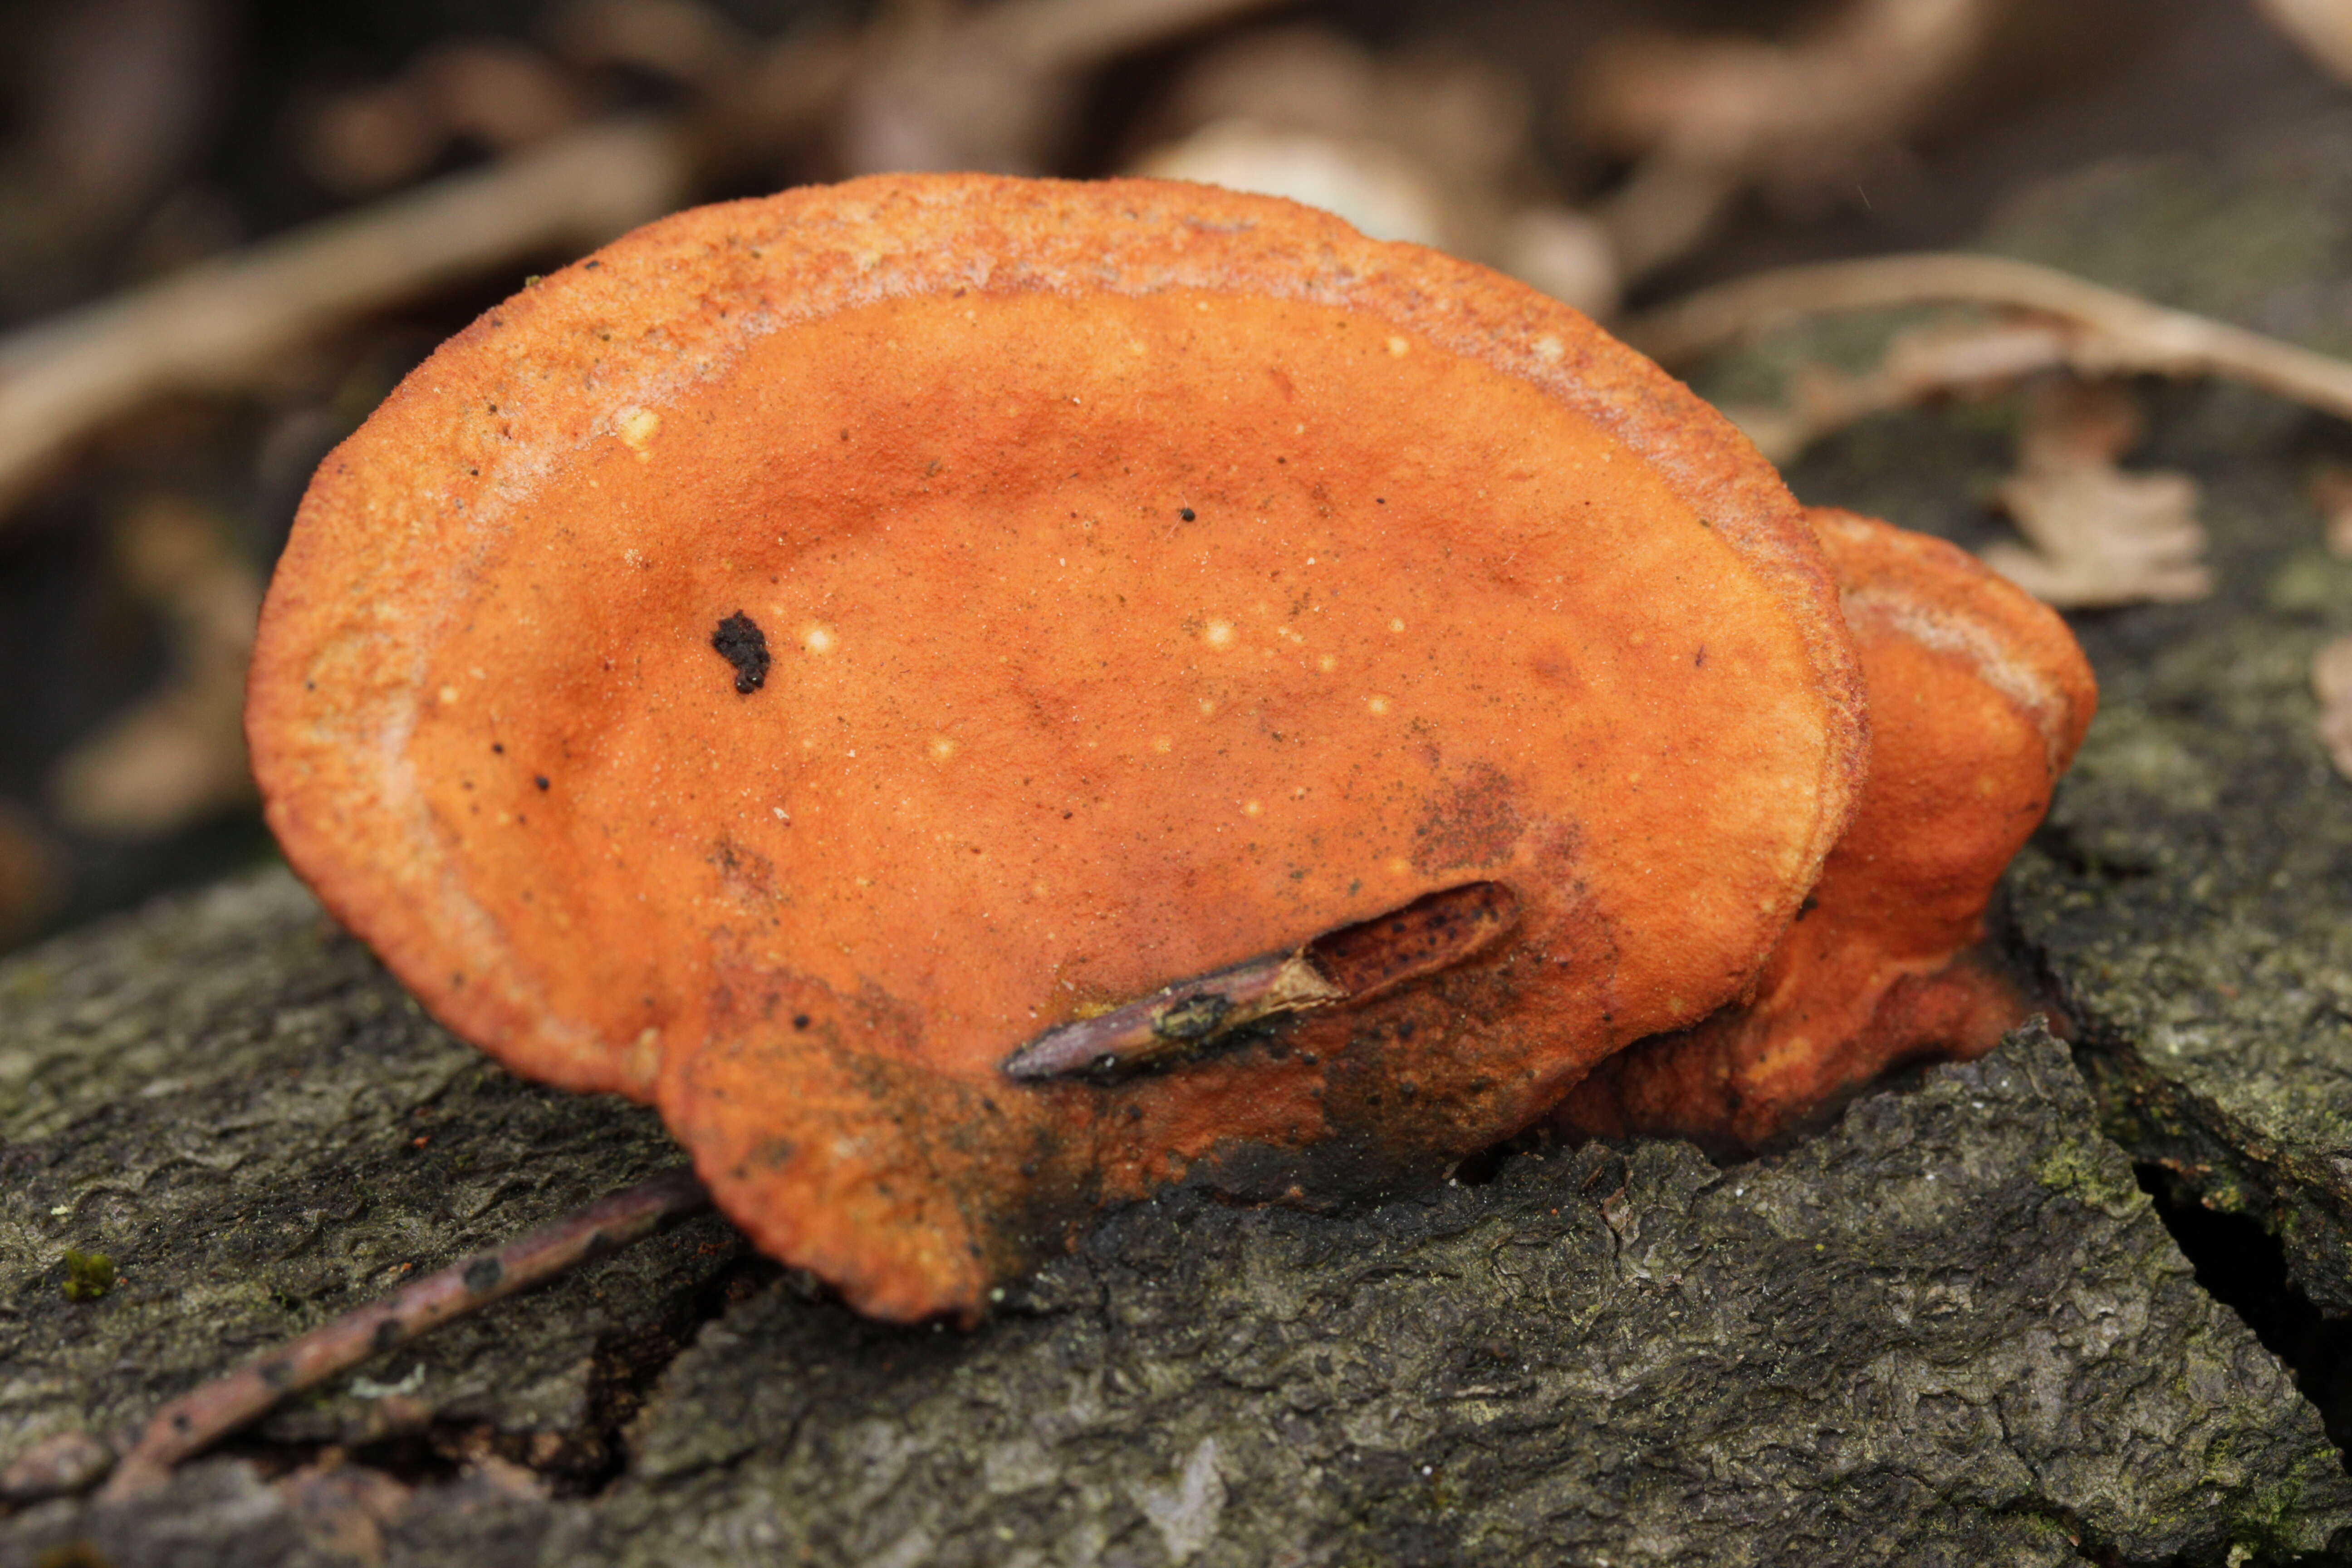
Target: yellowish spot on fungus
[(942, 748), (1163, 744), (819, 639), (637, 427), (646, 1053), (1327, 663), (1218, 634), (1377, 705), (1399, 347)]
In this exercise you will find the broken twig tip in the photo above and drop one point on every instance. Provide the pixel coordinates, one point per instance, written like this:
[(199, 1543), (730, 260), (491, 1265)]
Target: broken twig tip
[(211, 1411)]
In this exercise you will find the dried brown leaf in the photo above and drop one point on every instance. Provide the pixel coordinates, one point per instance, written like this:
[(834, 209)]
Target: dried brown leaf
[(2096, 535)]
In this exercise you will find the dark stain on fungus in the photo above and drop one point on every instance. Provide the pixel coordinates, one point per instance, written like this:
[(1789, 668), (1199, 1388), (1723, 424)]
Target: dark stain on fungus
[(386, 1335), (277, 1373), (1477, 824), (742, 643), (749, 875), (484, 1274)]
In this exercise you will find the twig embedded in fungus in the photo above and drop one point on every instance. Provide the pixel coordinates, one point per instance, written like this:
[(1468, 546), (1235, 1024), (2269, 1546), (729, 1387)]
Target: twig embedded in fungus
[(2105, 332), (1348, 964), (211, 1411)]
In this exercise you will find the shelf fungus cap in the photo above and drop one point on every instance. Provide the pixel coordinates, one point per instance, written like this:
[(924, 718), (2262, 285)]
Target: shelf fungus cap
[(1979, 698), (981, 698)]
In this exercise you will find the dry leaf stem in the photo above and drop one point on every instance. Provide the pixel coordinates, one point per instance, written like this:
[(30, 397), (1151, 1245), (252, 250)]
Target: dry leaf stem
[(2110, 332)]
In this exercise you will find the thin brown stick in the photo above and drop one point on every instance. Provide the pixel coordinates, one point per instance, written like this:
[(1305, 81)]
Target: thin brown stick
[(211, 1411), (2114, 332), (222, 324)]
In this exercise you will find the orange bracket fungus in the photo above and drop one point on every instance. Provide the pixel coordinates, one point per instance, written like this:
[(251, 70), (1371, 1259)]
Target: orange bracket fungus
[(983, 698)]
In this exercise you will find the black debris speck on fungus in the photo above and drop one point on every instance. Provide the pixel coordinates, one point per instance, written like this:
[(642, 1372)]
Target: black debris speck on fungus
[(742, 643)]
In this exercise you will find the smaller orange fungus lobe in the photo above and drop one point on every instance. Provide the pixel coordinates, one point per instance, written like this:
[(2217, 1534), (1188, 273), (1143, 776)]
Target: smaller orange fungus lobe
[(971, 628), (1979, 696)]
